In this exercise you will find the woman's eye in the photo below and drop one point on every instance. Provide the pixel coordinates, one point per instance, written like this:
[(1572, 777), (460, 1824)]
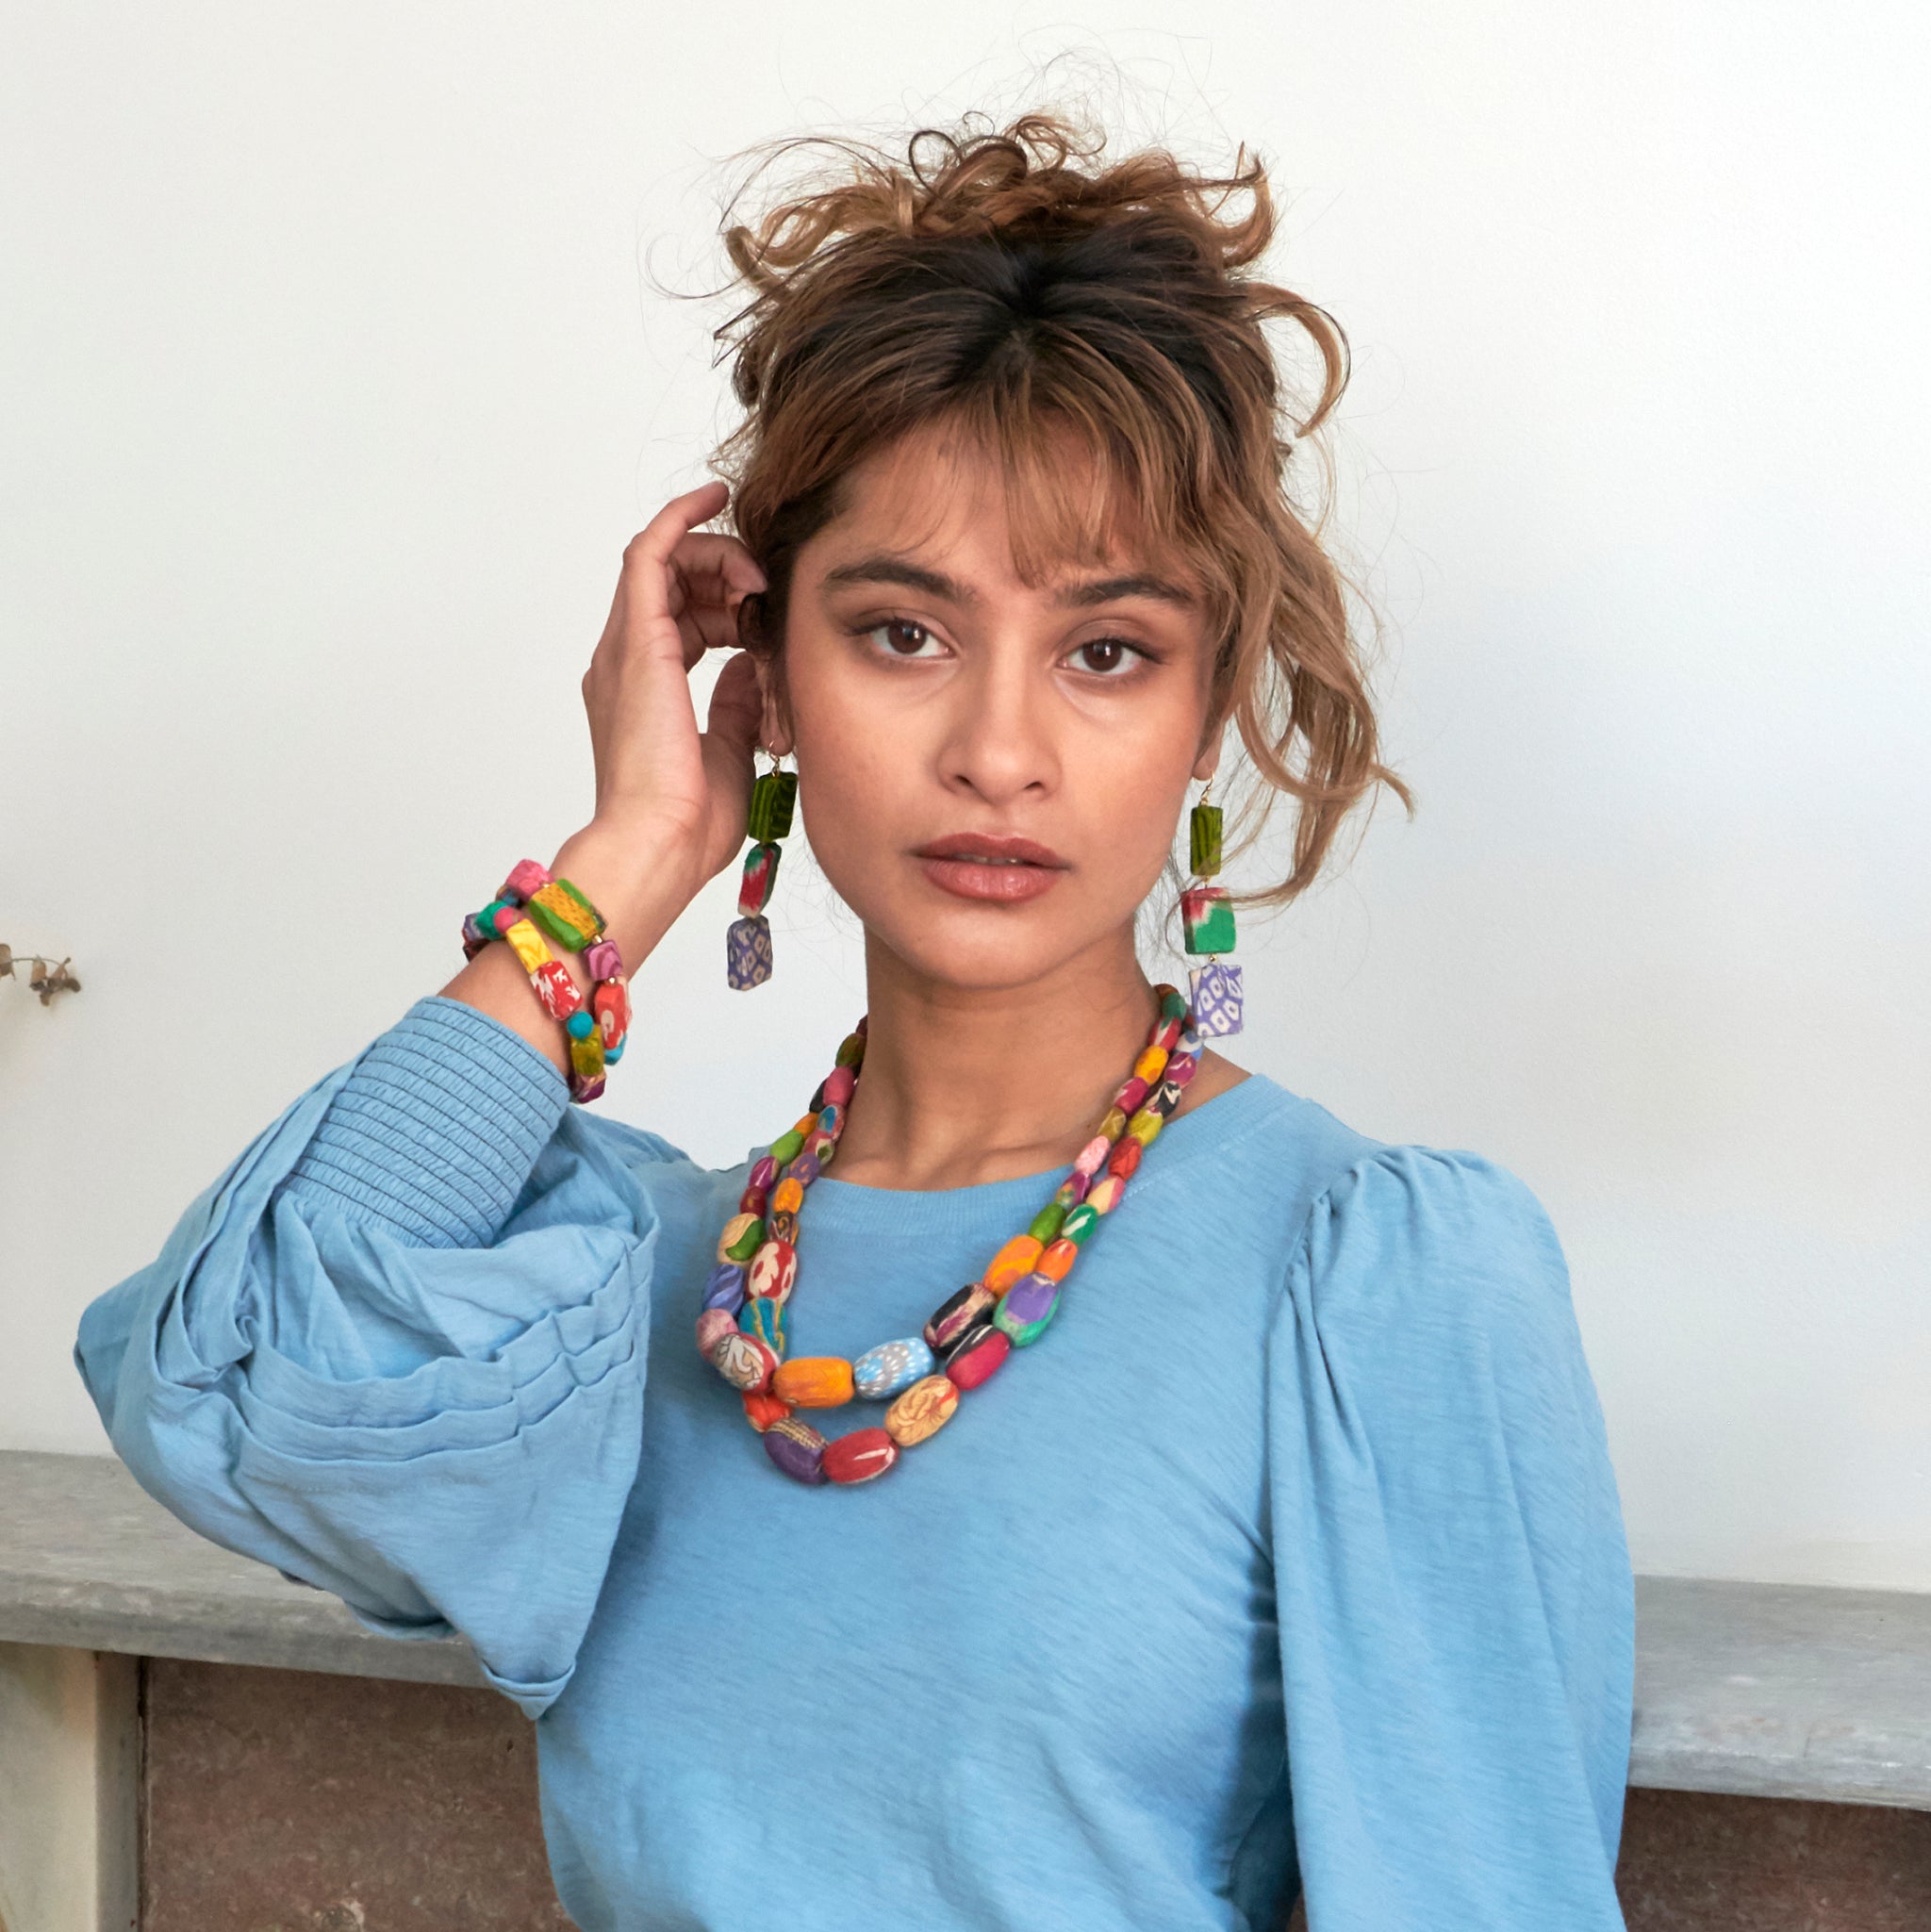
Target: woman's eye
[(1107, 656), (903, 638)]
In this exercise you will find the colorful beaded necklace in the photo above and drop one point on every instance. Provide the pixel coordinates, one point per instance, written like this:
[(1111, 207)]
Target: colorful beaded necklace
[(741, 1330)]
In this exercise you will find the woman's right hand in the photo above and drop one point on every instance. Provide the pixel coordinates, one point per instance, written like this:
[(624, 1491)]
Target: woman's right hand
[(669, 797)]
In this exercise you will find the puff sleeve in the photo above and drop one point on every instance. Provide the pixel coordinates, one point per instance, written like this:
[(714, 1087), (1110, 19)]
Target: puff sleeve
[(398, 1350), (1455, 1609)]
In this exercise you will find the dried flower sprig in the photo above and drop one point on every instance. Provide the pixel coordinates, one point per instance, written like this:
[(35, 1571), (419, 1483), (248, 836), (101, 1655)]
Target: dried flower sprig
[(47, 977)]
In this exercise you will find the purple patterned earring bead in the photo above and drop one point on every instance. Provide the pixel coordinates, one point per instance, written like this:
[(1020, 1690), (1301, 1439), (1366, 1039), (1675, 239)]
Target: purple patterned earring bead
[(1217, 998), (748, 953)]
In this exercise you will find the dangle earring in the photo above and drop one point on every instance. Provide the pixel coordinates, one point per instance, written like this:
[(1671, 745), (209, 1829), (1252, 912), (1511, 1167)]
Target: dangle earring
[(1206, 914), (748, 944)]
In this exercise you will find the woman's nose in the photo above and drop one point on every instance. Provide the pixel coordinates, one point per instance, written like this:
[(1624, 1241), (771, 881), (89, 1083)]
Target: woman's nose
[(998, 739)]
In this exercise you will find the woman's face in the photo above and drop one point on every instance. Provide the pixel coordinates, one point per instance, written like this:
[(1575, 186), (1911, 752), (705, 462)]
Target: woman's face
[(939, 707)]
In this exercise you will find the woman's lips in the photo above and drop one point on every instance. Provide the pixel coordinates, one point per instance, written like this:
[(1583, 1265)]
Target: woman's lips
[(1004, 871)]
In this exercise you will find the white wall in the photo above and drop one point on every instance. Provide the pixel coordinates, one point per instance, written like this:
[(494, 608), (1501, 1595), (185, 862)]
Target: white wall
[(333, 388)]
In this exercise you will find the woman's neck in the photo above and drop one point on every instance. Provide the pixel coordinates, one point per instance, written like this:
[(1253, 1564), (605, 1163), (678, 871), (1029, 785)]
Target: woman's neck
[(963, 1085)]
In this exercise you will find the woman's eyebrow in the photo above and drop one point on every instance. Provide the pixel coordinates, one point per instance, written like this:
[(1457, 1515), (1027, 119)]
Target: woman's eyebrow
[(892, 570)]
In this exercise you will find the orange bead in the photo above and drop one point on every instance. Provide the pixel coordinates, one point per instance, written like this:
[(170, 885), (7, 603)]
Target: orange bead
[(789, 1195), (814, 1381), (1150, 1065), (1057, 1259), (1125, 1158), (1019, 1256)]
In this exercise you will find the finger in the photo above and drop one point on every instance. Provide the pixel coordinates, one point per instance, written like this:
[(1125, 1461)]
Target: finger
[(661, 536), (716, 564), (737, 709)]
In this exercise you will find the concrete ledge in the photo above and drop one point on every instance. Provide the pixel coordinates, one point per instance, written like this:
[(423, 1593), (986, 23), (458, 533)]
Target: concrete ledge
[(1762, 1690), (1783, 1690), (88, 1560)]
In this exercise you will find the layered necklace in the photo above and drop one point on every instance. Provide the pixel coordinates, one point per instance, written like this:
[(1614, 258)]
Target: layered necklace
[(741, 1330)]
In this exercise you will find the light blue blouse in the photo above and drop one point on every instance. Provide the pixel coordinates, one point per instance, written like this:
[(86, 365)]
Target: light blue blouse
[(1290, 1555)]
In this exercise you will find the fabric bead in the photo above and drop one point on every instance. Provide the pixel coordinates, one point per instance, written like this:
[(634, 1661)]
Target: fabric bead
[(832, 1120), (781, 1224), (753, 1200), (566, 915), (744, 1360), (712, 1326), (586, 1091), (1125, 1159), (1206, 914), (580, 1025), (501, 916), (972, 1365), (789, 1195), (603, 961), (763, 1172), (762, 1409), (748, 953), (1018, 1257), (922, 1411), (859, 1455), (1114, 1125), (1146, 1069), (968, 1338), (725, 1288), (586, 1060), (820, 1147), (766, 1320), (773, 1271), (880, 1372), (1144, 1127), (797, 1449), (840, 1084), (1168, 1037), (525, 877), (1217, 998), (1026, 1308), (814, 1381), (785, 1147), (760, 874), (1092, 1157), (557, 991), (1070, 1192), (1203, 840), (1165, 1099), (851, 1049), (957, 1313), (1191, 1042), (1046, 1223), (772, 796), (739, 1241), (1080, 1222), (526, 943), (1131, 1090), (1173, 1003), (805, 1169), (1107, 1191), (610, 1004), (1056, 1263)]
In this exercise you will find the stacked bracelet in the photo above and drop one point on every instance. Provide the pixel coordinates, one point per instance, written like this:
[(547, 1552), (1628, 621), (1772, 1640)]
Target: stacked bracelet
[(530, 899)]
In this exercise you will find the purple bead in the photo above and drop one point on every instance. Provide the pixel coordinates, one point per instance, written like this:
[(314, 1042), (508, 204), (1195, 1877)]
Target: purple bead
[(603, 961), (748, 953), (1216, 998), (1029, 1298), (725, 1289), (797, 1449), (763, 1175), (804, 1168)]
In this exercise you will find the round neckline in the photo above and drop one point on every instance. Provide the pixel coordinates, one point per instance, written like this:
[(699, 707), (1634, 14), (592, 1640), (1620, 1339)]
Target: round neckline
[(854, 1207)]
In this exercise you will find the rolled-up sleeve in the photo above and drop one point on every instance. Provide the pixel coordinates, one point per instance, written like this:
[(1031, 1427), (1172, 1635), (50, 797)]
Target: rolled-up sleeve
[(398, 1350), (1456, 1605)]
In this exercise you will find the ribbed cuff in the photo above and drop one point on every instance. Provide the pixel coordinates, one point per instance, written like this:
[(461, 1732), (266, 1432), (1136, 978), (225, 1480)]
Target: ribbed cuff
[(436, 1130)]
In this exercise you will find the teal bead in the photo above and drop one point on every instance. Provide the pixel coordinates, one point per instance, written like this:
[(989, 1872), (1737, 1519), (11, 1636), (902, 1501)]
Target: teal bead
[(581, 1025), (1026, 1308), (1079, 1224)]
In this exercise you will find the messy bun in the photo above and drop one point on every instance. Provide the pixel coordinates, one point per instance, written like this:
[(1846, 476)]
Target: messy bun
[(1017, 284)]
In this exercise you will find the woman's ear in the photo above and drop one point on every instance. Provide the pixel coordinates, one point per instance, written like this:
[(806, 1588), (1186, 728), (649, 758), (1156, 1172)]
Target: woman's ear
[(1207, 762)]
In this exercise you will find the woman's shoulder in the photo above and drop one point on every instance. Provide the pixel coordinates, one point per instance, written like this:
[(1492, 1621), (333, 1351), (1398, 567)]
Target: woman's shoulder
[(1363, 1215)]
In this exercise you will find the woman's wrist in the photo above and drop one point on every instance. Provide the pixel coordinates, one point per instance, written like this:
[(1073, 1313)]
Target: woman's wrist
[(640, 878)]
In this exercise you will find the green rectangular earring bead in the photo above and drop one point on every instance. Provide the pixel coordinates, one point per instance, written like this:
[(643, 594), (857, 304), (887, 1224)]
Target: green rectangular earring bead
[(772, 796), (1203, 840)]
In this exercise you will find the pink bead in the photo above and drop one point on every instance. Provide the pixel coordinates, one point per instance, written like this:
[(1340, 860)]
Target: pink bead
[(603, 961), (526, 877), (1074, 1187), (1131, 1094), (1093, 1156), (506, 917), (712, 1326), (840, 1085), (1181, 1068), (764, 1173), (583, 1091)]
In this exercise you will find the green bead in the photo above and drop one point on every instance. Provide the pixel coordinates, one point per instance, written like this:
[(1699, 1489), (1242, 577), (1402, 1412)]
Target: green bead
[(788, 1146), (1174, 1006), (1046, 1223), (771, 799), (1203, 840), (748, 1242), (1207, 916), (1079, 1224)]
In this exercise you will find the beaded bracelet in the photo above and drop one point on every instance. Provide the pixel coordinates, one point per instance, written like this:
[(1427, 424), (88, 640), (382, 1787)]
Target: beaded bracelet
[(596, 1029)]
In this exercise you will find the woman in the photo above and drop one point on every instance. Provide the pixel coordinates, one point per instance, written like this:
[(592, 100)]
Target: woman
[(1289, 1557)]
